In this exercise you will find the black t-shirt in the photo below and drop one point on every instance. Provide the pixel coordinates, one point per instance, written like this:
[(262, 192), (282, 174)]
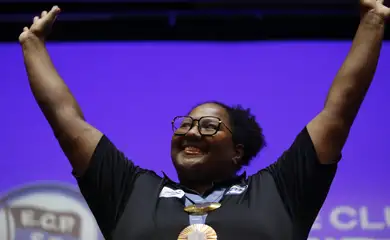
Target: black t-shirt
[(280, 202)]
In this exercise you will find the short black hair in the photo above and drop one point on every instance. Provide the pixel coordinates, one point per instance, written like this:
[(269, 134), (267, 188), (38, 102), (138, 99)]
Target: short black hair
[(245, 130)]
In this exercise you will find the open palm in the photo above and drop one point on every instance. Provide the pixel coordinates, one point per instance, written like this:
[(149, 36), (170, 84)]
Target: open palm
[(41, 26), (377, 6)]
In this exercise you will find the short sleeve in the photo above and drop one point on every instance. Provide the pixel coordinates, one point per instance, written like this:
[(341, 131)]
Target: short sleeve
[(303, 182), (106, 185)]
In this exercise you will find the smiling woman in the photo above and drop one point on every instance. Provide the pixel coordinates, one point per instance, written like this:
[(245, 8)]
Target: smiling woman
[(211, 144), (208, 148)]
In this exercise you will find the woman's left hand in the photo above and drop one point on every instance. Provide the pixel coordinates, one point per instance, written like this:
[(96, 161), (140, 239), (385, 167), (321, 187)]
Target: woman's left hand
[(376, 6)]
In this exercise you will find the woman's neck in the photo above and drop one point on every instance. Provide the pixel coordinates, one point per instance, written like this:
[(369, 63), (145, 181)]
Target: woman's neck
[(201, 186)]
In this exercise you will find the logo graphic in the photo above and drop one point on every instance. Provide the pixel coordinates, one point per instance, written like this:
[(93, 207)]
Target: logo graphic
[(46, 212), (167, 192), (236, 190)]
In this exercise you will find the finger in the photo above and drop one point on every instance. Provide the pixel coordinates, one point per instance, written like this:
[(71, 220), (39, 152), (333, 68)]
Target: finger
[(387, 12), (51, 16), (25, 29), (369, 3), (36, 18), (43, 14)]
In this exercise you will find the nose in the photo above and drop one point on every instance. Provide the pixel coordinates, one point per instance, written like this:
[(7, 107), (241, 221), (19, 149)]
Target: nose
[(194, 131)]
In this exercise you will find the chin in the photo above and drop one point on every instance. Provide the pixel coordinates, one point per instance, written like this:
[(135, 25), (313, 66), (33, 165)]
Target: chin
[(189, 161)]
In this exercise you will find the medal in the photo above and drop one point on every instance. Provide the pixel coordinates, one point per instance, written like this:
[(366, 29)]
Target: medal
[(202, 208), (197, 232)]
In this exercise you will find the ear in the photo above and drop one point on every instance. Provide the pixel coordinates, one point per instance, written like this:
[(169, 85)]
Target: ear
[(239, 153)]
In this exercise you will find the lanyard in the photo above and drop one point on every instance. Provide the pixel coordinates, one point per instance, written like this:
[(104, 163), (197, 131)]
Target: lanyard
[(215, 196)]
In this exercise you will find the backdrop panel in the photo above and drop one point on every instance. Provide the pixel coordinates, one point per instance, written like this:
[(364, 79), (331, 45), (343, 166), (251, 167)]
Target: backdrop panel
[(131, 91), (260, 2)]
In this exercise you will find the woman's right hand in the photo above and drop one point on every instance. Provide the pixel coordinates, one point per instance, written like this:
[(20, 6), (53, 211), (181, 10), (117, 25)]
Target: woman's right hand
[(41, 26)]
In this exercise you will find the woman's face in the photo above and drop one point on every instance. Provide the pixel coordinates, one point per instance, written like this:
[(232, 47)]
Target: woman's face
[(197, 156)]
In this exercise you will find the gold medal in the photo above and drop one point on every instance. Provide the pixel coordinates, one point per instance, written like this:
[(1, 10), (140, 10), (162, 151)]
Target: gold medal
[(198, 231), (203, 208)]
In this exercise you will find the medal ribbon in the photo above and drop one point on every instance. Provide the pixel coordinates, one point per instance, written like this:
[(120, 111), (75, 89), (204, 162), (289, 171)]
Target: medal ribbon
[(191, 199)]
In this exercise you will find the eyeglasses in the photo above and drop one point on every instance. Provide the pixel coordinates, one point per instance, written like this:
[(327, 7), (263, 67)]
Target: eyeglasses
[(207, 125)]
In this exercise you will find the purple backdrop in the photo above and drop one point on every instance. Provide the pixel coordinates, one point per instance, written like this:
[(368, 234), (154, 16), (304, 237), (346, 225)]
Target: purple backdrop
[(131, 91)]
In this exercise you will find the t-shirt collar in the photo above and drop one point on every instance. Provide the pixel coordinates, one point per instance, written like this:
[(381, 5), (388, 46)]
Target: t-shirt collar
[(240, 179)]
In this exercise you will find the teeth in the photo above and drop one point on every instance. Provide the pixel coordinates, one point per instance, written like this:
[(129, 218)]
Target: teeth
[(192, 149)]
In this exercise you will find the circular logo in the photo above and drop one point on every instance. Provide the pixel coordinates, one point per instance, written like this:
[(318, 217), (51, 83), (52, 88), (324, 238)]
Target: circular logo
[(47, 211)]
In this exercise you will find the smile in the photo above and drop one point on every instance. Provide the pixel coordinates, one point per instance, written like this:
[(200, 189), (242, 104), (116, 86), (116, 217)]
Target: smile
[(191, 150)]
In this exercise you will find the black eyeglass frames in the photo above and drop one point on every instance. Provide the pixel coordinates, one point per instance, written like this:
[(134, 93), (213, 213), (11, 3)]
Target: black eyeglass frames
[(207, 125)]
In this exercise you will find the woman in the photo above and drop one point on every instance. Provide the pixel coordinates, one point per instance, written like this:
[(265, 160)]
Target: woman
[(209, 146)]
